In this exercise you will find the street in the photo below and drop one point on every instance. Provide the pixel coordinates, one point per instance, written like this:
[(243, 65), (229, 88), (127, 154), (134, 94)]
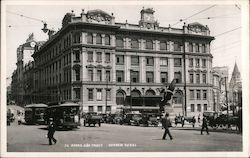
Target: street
[(119, 138)]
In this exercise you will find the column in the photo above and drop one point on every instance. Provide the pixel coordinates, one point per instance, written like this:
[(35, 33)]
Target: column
[(127, 67), (157, 78), (170, 69), (94, 38), (113, 70), (103, 39), (142, 69)]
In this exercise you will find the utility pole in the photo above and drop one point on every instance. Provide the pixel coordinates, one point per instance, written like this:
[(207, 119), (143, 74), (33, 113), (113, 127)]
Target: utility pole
[(106, 99), (131, 90), (185, 82), (226, 99)]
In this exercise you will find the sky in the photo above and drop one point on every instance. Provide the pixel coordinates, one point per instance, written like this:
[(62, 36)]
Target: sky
[(226, 48)]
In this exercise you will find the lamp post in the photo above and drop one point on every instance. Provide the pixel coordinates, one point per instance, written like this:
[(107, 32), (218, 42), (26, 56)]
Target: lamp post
[(131, 89), (106, 99)]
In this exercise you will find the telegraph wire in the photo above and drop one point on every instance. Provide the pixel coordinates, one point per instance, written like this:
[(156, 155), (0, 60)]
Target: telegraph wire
[(181, 20), (229, 44)]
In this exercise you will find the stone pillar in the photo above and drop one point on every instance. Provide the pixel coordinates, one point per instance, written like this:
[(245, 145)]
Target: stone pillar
[(157, 78), (112, 40), (113, 70), (170, 69), (94, 38), (142, 69), (103, 39)]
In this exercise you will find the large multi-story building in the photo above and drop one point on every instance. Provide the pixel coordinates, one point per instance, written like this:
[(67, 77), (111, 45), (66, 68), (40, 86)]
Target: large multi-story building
[(100, 63)]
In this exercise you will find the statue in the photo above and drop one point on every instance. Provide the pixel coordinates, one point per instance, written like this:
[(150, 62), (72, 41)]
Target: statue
[(167, 94)]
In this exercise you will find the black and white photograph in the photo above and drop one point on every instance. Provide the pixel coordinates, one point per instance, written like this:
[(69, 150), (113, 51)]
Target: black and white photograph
[(125, 78)]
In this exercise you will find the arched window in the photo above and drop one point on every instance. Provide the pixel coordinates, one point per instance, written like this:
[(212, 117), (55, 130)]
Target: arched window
[(98, 39), (150, 92), (107, 40), (163, 45), (134, 43), (89, 38), (178, 97), (120, 98), (136, 93), (119, 42), (149, 44)]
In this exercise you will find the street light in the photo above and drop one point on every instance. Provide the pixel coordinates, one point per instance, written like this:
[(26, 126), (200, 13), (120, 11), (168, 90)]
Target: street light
[(131, 70)]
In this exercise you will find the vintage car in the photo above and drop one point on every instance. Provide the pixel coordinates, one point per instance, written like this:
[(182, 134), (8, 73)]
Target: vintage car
[(92, 118), (132, 119)]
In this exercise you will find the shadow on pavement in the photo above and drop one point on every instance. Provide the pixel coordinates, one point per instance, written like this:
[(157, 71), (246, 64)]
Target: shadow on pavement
[(210, 130)]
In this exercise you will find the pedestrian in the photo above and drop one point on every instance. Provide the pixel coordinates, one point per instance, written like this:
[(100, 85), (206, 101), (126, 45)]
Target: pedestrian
[(182, 121), (193, 121), (51, 131), (199, 118), (176, 120), (204, 125), (166, 124), (19, 119)]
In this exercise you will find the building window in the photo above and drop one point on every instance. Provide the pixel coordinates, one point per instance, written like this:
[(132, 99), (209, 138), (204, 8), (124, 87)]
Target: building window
[(197, 61), (177, 98), (99, 57), (108, 75), (204, 78), (177, 76), (204, 94), (120, 59), (107, 57), (98, 39), (120, 98), (99, 75), (77, 93), (107, 40), (191, 91), (199, 107), (99, 108), (191, 78), (204, 63), (205, 107), (135, 76), (77, 74), (134, 43), (198, 94), (190, 46), (90, 94), (192, 107), (163, 61), (150, 77), (119, 76), (163, 45), (99, 94), (91, 109), (164, 77), (149, 61), (134, 60), (119, 42), (203, 48), (177, 46), (177, 62), (90, 75), (149, 44), (191, 62), (90, 56), (89, 38), (77, 37), (77, 55), (108, 93), (108, 109), (197, 48), (197, 78)]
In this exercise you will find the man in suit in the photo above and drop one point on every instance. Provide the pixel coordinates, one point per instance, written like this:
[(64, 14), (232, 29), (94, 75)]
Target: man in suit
[(51, 131), (166, 123), (204, 125)]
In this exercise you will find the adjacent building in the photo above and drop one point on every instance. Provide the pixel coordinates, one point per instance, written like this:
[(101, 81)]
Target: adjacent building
[(107, 66)]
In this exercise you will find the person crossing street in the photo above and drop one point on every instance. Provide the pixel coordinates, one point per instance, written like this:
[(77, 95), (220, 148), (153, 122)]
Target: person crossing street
[(51, 131), (166, 124)]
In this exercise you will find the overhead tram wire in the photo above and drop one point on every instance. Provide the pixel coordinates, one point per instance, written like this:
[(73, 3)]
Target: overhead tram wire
[(227, 32), (21, 15), (181, 20)]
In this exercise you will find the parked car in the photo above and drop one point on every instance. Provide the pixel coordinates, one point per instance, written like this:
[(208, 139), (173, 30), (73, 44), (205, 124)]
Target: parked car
[(132, 119), (92, 118)]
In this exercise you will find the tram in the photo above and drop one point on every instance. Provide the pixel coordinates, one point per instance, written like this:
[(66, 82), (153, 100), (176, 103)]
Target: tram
[(35, 113), (65, 116)]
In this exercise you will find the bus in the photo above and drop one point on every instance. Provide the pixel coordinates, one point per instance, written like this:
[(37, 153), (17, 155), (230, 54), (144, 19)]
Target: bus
[(65, 116), (35, 113)]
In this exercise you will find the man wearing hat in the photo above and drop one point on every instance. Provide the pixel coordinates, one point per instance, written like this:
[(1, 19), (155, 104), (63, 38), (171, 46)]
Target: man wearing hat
[(51, 131), (166, 123)]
